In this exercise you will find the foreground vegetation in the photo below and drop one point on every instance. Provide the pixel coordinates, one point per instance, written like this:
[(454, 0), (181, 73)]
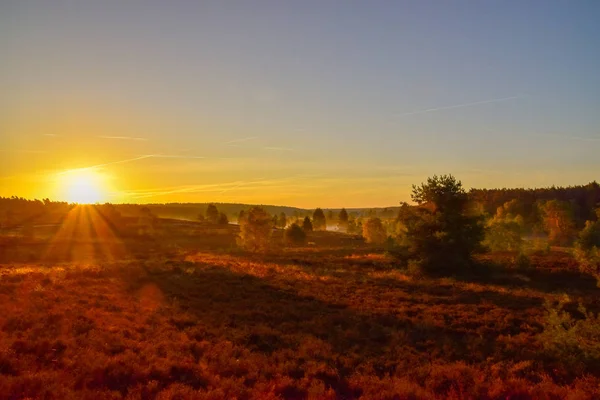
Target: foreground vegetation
[(336, 319)]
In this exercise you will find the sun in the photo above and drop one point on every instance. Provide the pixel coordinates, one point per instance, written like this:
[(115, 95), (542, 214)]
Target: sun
[(83, 187)]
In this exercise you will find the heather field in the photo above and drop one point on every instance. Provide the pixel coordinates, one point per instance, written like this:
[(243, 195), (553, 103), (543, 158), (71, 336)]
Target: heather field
[(187, 315)]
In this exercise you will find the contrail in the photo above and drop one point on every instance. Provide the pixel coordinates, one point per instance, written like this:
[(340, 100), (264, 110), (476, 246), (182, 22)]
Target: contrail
[(476, 103), (130, 160), (105, 164), (122, 137), (240, 140), (175, 156)]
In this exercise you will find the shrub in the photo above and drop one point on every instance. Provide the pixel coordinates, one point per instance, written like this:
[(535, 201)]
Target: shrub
[(522, 262), (295, 235), (574, 342), (255, 229), (587, 249), (503, 236)]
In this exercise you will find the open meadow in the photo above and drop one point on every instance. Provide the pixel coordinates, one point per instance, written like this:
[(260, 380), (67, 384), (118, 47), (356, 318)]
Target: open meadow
[(185, 314)]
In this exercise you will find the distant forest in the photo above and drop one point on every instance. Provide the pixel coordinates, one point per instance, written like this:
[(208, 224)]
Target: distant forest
[(15, 211), (583, 199)]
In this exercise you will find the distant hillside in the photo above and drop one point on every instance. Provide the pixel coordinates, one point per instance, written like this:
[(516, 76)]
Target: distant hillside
[(191, 211)]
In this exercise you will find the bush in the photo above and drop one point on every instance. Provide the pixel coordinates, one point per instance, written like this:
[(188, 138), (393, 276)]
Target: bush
[(522, 262), (575, 343), (587, 249), (503, 236), (255, 229), (295, 235)]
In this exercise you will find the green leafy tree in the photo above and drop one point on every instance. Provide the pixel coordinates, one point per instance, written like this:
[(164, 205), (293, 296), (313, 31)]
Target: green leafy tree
[(440, 235), (587, 249), (307, 225), (343, 220), (212, 214), (559, 221), (295, 235), (319, 220), (255, 229), (374, 231), (504, 231)]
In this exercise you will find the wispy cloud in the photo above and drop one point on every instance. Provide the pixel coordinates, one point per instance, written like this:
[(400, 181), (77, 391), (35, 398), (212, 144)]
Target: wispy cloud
[(23, 151), (175, 156), (123, 138), (128, 160), (475, 103), (105, 164), (279, 148), (234, 141), (571, 137), (50, 134)]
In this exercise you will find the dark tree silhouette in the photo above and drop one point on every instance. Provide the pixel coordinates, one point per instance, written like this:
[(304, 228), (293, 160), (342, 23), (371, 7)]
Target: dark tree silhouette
[(294, 234), (255, 229), (212, 214), (319, 220), (343, 220), (307, 225), (282, 221), (223, 220), (440, 235)]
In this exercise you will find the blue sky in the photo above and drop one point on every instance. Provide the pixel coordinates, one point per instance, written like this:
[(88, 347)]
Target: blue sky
[(309, 103)]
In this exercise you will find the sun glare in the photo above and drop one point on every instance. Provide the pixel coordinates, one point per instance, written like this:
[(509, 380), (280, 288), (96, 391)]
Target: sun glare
[(83, 187)]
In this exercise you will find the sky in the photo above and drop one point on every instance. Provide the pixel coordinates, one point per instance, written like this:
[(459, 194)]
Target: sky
[(301, 103)]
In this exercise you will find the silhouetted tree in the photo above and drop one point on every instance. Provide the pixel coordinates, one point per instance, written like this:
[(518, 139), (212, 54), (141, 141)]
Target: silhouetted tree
[(212, 214), (374, 231), (319, 221), (343, 220), (241, 216), (352, 227), (223, 220), (282, 221), (440, 235), (255, 229), (330, 215), (307, 225), (294, 234)]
